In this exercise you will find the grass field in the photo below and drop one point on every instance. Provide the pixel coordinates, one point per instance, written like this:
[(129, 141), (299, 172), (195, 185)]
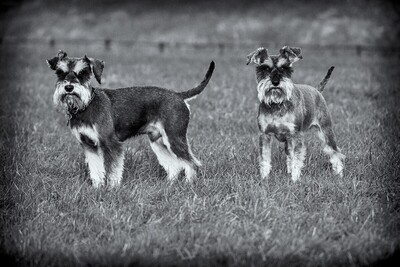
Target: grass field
[(228, 216), (51, 216)]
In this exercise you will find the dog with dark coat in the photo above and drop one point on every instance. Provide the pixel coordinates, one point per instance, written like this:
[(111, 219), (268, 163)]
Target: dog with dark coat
[(287, 110), (102, 119)]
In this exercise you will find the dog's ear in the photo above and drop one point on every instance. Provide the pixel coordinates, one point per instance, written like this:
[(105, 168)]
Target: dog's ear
[(258, 57), (54, 61), (97, 67), (292, 54)]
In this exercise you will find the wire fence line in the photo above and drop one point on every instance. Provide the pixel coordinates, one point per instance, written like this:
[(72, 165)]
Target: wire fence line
[(161, 46)]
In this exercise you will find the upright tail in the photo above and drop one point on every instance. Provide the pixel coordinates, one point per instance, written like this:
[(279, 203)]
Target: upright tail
[(191, 93), (322, 84)]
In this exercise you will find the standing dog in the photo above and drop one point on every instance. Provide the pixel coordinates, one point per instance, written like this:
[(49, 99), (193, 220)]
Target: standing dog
[(102, 119), (287, 110)]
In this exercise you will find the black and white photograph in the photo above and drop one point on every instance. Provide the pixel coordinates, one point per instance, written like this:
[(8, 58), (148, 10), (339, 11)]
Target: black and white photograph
[(199, 133)]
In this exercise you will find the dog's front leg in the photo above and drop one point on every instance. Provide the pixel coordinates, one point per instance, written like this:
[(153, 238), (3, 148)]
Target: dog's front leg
[(265, 155), (95, 161), (114, 158), (296, 156), (288, 157)]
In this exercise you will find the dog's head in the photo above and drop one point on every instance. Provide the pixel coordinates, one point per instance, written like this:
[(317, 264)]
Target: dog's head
[(73, 90), (274, 73)]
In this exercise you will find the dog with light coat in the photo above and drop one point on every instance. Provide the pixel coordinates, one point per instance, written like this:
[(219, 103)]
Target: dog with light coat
[(287, 110)]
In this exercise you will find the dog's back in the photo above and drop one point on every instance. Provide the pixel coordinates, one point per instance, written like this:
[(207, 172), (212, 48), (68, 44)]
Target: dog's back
[(133, 108)]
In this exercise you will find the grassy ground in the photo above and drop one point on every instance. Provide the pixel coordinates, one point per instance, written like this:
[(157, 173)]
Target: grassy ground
[(51, 216), (228, 216)]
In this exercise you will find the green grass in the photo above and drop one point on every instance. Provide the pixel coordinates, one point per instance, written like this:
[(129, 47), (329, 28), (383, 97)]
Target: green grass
[(51, 216)]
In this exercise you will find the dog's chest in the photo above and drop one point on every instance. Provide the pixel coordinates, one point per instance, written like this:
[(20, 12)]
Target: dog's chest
[(276, 124), (86, 135)]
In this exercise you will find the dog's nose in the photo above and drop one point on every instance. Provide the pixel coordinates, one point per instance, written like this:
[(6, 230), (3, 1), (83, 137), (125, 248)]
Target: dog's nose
[(69, 88), (275, 82)]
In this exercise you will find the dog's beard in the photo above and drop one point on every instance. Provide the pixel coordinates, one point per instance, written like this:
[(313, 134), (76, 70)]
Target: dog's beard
[(72, 102), (270, 94), (274, 96)]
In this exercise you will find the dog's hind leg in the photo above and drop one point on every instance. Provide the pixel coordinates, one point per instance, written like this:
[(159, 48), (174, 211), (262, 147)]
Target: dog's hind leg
[(175, 135), (167, 160), (180, 147), (326, 134), (161, 145)]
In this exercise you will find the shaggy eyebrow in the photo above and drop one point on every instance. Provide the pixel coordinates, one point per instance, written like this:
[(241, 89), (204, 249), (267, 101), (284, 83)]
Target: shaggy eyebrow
[(59, 70), (61, 65), (79, 66)]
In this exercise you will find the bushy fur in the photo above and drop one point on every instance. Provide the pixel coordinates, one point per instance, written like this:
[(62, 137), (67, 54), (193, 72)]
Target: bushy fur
[(102, 119), (287, 110)]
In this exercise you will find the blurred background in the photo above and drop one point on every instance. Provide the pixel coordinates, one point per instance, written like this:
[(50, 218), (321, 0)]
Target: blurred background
[(356, 25), (47, 208)]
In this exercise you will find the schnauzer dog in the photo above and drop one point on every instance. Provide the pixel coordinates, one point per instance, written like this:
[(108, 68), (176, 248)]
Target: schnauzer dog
[(102, 119), (287, 110)]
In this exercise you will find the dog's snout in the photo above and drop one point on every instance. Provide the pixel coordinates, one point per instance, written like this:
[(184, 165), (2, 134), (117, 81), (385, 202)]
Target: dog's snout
[(275, 82), (275, 77), (69, 88)]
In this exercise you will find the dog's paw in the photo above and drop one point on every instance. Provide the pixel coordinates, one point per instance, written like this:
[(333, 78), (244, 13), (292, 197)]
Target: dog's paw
[(295, 175), (265, 169), (337, 161)]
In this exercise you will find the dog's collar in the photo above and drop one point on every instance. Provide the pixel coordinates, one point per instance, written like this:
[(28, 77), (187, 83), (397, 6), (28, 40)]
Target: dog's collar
[(70, 113)]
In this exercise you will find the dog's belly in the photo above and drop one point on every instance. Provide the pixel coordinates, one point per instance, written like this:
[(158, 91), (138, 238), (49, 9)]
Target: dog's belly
[(281, 129), (124, 132)]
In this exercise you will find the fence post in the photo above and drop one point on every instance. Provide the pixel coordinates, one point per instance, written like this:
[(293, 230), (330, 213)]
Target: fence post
[(358, 50), (161, 47), (52, 42), (221, 47), (107, 43)]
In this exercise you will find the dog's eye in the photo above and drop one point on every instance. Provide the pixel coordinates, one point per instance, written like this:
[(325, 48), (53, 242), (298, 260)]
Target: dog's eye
[(84, 75), (265, 68), (61, 74), (284, 68)]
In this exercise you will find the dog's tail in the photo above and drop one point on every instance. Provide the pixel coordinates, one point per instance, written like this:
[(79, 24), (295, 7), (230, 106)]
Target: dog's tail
[(191, 93), (322, 84)]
